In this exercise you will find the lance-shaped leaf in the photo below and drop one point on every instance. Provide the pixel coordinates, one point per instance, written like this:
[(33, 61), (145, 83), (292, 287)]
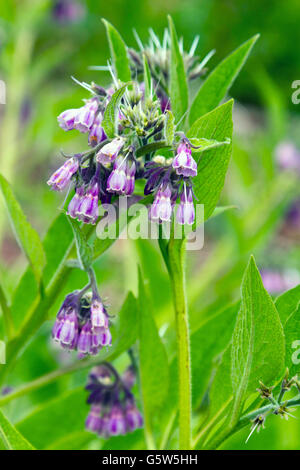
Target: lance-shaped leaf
[(26, 236), (178, 82), (213, 163), (258, 346), (10, 437), (217, 84), (287, 303), (84, 250), (147, 78), (213, 336), (153, 359), (169, 128), (56, 418), (118, 52), (111, 112)]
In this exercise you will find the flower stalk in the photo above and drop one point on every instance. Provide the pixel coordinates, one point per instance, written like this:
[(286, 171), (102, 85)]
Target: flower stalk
[(176, 252)]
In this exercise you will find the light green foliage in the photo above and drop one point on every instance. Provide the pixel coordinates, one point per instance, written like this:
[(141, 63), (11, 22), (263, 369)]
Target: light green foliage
[(258, 346), (10, 437), (27, 237), (154, 366), (218, 83), (213, 163), (178, 82), (118, 52)]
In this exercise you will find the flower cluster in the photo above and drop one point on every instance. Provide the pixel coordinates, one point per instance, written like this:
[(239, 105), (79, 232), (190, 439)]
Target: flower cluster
[(113, 410), (112, 165), (82, 324)]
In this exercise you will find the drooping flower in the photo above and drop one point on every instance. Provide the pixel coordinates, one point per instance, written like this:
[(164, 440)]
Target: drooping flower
[(99, 316), (109, 152), (161, 209), (93, 421), (85, 118), (84, 205), (122, 178), (117, 180), (183, 162), (113, 409), (61, 177), (117, 422), (75, 202), (186, 211), (81, 119), (73, 327), (97, 134), (66, 328), (134, 419), (130, 178)]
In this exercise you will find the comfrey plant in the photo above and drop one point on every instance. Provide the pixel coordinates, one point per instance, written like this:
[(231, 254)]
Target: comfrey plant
[(150, 141)]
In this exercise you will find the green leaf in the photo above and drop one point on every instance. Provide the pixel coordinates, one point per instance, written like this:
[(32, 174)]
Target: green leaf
[(110, 113), (56, 419), (118, 53), (220, 210), (219, 81), (152, 147), (287, 302), (169, 129), (206, 144), (221, 390), (126, 328), (27, 237), (292, 341), (84, 250), (178, 83), (147, 78), (207, 343), (154, 369), (10, 437), (258, 346), (213, 164)]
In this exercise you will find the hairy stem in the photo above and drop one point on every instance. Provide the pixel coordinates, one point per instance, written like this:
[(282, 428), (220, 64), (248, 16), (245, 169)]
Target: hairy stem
[(246, 419), (176, 251)]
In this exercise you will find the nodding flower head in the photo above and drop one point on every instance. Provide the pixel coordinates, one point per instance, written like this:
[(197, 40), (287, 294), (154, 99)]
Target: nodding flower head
[(183, 163), (97, 134), (81, 119), (74, 329), (186, 212), (84, 205), (61, 178), (113, 409), (161, 209), (110, 151)]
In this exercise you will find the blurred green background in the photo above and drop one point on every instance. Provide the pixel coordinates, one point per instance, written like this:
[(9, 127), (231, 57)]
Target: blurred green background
[(44, 43)]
